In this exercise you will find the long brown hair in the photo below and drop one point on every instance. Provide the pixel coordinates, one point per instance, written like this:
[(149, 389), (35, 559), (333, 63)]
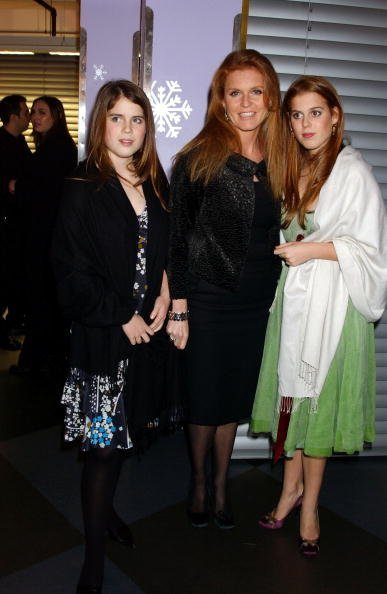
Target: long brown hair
[(145, 162), (210, 149), (59, 126), (298, 158)]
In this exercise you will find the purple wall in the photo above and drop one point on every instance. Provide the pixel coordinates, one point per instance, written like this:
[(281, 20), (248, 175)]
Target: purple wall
[(190, 39), (109, 26)]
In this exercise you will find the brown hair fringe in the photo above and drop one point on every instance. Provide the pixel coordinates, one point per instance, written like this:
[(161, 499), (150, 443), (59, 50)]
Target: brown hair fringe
[(145, 162)]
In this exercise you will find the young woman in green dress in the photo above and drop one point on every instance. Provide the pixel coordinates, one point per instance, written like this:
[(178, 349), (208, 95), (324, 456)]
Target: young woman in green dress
[(316, 389)]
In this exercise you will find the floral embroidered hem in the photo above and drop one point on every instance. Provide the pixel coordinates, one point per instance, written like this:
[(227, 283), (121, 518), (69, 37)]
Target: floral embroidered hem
[(95, 410)]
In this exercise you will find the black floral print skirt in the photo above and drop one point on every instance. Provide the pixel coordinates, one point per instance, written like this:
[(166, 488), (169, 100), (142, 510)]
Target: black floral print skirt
[(95, 410)]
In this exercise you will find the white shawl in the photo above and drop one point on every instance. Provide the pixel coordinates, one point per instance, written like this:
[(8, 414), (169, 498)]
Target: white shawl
[(350, 213)]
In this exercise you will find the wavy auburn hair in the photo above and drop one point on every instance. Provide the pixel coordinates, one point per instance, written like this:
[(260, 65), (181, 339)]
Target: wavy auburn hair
[(298, 159), (209, 150), (145, 162)]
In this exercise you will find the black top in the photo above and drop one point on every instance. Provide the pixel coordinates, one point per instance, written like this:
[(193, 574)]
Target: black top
[(262, 268), (94, 255), (211, 225)]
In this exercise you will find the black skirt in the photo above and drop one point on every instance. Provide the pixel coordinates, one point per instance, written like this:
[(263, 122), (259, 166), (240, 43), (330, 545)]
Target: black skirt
[(227, 328)]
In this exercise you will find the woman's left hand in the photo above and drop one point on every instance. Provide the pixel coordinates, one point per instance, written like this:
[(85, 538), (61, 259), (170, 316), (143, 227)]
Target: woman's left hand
[(159, 312), (294, 253)]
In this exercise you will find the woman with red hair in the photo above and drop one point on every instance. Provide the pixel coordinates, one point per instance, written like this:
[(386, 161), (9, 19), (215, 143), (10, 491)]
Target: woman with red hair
[(225, 224)]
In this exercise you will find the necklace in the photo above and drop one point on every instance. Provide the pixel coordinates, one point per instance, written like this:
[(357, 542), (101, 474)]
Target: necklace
[(131, 186), (134, 195)]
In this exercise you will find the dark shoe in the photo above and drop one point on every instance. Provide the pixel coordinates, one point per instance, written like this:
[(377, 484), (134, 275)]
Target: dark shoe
[(18, 329), (20, 370), (224, 520), (309, 548), (9, 343), (198, 519), (88, 589), (122, 535), (30, 372)]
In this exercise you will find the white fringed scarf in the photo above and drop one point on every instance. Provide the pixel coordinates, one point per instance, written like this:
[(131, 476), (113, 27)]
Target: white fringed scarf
[(350, 213)]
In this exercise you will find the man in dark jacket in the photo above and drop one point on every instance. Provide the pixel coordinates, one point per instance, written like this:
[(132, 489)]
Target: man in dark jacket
[(14, 152)]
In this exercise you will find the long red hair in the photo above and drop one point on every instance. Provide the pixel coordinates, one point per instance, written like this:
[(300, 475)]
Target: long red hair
[(218, 139)]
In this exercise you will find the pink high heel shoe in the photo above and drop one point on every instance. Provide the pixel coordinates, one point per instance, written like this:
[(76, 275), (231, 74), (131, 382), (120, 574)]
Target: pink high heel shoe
[(270, 522)]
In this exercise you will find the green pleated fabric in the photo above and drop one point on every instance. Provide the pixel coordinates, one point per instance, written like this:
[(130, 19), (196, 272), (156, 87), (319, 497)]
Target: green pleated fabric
[(345, 414)]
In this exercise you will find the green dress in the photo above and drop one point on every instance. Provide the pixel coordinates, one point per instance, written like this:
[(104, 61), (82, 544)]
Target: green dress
[(345, 414)]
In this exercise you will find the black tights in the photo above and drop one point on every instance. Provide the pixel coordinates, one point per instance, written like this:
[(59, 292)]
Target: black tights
[(99, 480), (202, 439)]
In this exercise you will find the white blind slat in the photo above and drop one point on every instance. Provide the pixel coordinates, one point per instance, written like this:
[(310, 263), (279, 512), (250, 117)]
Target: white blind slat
[(320, 49), (320, 31), (329, 12), (370, 74)]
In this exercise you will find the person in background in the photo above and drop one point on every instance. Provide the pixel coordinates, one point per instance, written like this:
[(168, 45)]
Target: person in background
[(38, 192), (316, 389), (222, 271), (109, 254), (14, 152)]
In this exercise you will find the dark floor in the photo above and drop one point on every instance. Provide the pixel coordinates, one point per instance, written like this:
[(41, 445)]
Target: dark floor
[(41, 528)]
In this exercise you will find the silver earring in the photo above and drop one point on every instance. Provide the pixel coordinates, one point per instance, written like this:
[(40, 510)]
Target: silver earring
[(226, 115)]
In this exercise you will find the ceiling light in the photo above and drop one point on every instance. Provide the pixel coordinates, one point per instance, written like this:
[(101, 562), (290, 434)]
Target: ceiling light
[(16, 52), (64, 53)]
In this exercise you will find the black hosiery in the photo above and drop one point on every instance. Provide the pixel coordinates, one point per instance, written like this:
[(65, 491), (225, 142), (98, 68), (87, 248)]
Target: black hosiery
[(223, 445), (200, 443), (99, 480)]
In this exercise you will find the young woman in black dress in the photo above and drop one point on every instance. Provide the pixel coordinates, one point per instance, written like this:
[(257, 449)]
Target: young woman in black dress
[(222, 271), (109, 253)]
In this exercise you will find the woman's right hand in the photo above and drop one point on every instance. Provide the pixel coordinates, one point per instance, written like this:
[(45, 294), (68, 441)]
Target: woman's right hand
[(137, 330)]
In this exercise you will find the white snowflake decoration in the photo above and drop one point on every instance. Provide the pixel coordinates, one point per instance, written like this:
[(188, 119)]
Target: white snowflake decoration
[(168, 109), (99, 72)]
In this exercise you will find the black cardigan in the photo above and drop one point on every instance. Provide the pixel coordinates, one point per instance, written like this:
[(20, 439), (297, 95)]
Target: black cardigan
[(94, 255), (211, 225)]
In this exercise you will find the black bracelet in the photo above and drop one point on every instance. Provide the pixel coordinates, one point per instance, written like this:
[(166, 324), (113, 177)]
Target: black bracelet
[(178, 316)]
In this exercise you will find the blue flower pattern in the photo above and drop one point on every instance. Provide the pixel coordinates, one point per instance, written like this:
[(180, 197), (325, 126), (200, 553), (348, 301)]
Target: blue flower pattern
[(101, 430), (95, 409)]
